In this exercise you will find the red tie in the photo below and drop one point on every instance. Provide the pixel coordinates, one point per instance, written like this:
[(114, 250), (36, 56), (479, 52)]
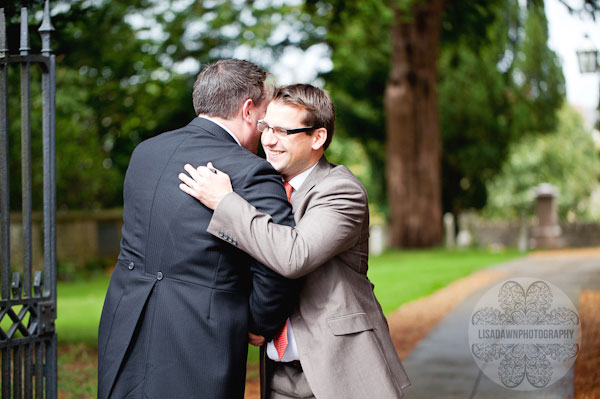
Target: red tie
[(281, 340), (288, 189)]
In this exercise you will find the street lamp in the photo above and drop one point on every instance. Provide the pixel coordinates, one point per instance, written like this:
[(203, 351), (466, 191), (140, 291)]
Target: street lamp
[(587, 56)]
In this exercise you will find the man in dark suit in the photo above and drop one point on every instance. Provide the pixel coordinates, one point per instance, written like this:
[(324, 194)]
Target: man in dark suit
[(181, 302)]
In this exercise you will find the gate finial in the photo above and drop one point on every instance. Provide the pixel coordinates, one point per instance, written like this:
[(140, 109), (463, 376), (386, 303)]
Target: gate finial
[(45, 29)]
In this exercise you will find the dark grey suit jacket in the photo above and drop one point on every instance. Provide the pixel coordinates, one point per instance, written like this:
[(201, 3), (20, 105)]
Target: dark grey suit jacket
[(180, 301)]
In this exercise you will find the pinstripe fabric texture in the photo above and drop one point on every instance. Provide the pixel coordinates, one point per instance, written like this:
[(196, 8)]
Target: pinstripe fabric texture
[(180, 301)]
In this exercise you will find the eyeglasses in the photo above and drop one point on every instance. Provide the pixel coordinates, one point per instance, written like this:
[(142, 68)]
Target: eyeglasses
[(281, 132)]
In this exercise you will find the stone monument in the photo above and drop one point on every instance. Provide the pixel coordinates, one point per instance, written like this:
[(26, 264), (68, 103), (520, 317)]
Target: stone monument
[(547, 232)]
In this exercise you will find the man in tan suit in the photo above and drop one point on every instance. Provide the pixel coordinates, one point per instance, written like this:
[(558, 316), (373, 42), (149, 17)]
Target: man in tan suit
[(336, 344)]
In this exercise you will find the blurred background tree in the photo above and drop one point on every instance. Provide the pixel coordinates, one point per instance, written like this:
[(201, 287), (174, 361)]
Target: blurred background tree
[(566, 157), (493, 90), (113, 91), (492, 80), (119, 82), (430, 94)]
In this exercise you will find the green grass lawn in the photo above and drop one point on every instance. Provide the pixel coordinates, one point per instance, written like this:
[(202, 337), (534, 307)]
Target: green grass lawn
[(399, 277), (79, 304), (403, 276)]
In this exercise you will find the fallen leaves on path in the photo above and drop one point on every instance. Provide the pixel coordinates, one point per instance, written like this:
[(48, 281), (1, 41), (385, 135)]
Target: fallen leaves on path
[(413, 321), (587, 365)]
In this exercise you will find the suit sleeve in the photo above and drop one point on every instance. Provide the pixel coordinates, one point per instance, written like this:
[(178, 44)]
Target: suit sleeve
[(330, 225), (272, 297)]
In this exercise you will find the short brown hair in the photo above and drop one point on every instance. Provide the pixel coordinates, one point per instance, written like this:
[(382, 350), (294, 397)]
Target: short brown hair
[(222, 87), (320, 111)]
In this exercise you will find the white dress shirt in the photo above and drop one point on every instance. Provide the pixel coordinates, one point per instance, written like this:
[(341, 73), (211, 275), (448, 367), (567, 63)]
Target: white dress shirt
[(291, 352), (223, 127)]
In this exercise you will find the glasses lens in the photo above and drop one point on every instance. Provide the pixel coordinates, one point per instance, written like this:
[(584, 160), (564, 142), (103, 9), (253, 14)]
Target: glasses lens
[(261, 126), (279, 132)]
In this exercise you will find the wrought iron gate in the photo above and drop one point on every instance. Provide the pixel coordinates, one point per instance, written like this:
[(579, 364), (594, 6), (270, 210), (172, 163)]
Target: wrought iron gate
[(28, 302)]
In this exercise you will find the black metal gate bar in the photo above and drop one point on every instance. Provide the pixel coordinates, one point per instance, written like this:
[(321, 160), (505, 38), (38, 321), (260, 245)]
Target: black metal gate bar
[(29, 345), (17, 381), (49, 149), (28, 382), (25, 154), (4, 177), (39, 361), (4, 196)]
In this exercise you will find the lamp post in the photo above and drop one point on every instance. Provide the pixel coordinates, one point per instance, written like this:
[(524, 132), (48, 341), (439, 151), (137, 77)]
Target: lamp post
[(587, 56)]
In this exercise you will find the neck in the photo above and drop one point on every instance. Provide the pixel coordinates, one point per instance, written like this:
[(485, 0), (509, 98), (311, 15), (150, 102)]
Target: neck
[(231, 124), (313, 160)]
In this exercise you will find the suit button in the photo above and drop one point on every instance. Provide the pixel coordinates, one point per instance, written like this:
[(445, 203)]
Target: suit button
[(159, 276), (131, 266)]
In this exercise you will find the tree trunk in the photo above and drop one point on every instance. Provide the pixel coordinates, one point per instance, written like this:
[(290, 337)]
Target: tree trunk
[(413, 138)]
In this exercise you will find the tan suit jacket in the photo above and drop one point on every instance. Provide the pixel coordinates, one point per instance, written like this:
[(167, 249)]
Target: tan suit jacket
[(342, 336)]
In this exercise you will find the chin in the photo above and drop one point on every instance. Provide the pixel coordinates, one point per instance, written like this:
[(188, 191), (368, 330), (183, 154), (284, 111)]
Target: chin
[(275, 165)]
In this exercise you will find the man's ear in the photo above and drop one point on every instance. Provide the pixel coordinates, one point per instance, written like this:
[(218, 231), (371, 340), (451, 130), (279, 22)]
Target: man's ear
[(319, 137), (247, 110)]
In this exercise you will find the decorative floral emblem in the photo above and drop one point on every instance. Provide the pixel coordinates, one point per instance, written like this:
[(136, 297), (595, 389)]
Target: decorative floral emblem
[(524, 334)]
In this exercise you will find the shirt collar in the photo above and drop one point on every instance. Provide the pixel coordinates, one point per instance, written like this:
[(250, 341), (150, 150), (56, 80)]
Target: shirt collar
[(222, 127), (297, 181)]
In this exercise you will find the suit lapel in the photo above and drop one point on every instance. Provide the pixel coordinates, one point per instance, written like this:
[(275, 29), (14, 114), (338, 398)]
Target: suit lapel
[(319, 172)]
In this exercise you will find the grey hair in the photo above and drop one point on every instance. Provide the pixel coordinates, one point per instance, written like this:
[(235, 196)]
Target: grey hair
[(222, 87)]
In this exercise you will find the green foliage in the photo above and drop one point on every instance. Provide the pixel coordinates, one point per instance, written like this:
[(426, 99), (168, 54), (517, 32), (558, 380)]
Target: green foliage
[(498, 81), (493, 91), (538, 75), (113, 90), (349, 151), (358, 34), (66, 271), (474, 112), (118, 82), (565, 158), (69, 271)]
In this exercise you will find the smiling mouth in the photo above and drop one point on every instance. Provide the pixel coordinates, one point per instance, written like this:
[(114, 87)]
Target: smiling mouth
[(274, 152)]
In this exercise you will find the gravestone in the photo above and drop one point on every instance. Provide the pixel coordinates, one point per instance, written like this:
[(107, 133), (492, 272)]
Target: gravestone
[(449, 230), (547, 232)]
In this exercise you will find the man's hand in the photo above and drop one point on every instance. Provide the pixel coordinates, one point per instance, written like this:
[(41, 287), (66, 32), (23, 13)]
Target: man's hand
[(256, 340), (207, 184)]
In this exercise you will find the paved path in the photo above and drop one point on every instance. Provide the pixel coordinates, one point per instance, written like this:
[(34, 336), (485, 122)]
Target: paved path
[(441, 365)]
